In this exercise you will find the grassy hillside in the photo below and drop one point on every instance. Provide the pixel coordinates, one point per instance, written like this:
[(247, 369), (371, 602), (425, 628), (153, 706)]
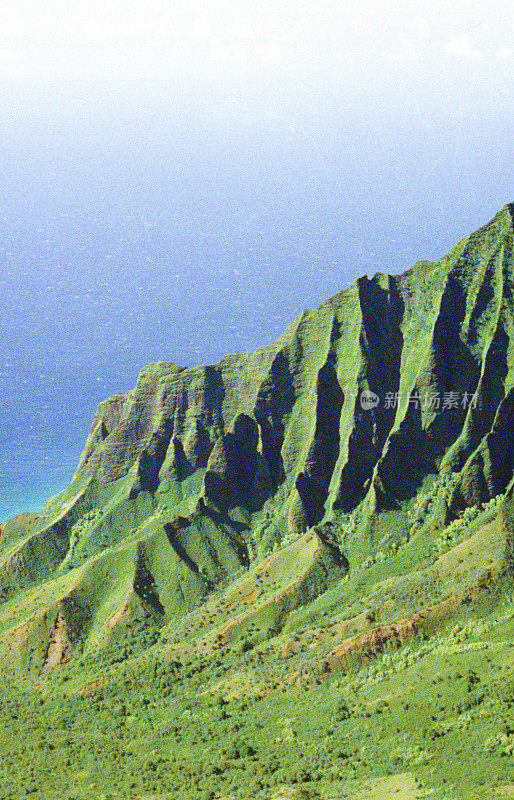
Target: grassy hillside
[(289, 574)]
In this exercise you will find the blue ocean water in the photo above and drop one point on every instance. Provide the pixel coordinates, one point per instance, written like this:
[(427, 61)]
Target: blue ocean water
[(152, 225)]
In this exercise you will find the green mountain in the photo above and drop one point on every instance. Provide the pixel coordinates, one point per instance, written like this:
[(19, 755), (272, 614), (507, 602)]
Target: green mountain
[(324, 526)]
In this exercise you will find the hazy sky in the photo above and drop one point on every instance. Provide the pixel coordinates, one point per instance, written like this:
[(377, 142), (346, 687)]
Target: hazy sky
[(107, 38), (179, 179)]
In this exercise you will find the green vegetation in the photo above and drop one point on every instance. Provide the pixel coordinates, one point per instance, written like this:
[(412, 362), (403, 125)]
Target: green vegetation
[(439, 709), (257, 586)]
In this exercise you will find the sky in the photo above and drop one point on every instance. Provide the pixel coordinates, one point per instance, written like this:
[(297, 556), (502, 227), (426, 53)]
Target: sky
[(126, 38), (180, 179)]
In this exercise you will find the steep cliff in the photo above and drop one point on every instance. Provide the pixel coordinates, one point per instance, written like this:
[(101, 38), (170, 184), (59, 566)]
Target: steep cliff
[(377, 422)]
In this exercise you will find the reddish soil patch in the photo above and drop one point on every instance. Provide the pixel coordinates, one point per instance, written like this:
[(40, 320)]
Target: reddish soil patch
[(59, 649)]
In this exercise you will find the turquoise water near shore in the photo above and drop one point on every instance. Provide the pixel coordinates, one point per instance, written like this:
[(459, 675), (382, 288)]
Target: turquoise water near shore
[(26, 492), (33, 470)]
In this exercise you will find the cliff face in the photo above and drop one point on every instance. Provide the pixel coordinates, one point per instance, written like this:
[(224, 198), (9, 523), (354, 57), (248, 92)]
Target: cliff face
[(434, 345), (377, 419)]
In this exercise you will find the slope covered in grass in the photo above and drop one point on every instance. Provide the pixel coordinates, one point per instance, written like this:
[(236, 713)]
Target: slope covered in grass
[(290, 572)]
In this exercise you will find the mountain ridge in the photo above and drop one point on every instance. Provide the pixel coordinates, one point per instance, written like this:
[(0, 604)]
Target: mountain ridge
[(228, 419), (324, 523)]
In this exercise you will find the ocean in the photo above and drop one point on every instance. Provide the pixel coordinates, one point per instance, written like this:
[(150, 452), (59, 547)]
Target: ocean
[(138, 227)]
